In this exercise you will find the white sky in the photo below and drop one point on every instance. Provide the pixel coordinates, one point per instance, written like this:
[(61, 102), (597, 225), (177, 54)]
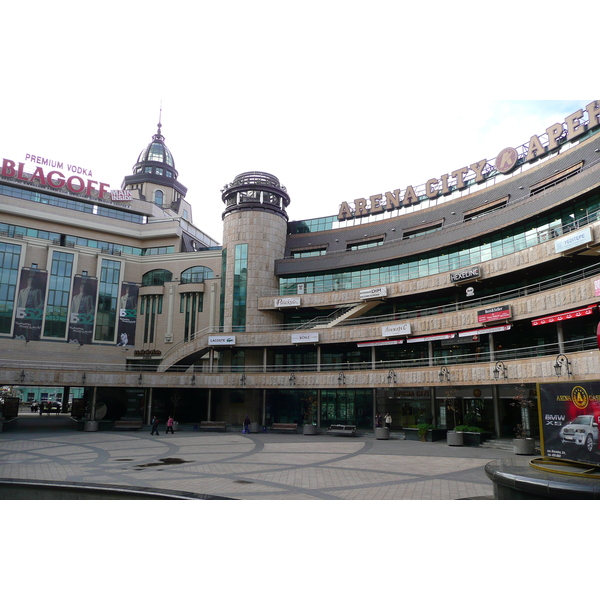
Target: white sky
[(338, 101)]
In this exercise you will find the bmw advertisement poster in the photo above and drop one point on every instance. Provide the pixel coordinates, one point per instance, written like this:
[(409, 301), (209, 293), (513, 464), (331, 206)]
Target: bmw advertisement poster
[(570, 417)]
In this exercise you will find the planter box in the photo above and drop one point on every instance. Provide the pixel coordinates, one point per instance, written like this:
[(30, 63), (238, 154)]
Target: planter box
[(309, 429), (433, 435), (524, 446), (456, 438)]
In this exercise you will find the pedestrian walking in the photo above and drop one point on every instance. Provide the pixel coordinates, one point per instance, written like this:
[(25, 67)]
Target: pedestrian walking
[(378, 420), (169, 425), (247, 424), (154, 426), (388, 420)]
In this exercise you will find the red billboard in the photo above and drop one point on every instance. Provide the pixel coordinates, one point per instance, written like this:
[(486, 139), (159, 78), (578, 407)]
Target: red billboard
[(570, 420)]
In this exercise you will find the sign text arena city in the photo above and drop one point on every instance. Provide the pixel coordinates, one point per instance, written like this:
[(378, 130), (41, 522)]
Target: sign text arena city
[(458, 179)]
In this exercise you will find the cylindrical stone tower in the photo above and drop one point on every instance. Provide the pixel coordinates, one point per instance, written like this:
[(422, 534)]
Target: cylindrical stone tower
[(254, 237)]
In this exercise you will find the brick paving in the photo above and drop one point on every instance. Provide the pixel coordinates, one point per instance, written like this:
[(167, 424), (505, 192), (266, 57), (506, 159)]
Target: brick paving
[(265, 466)]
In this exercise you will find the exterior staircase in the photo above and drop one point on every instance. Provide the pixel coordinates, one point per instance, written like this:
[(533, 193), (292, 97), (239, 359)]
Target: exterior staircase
[(354, 310)]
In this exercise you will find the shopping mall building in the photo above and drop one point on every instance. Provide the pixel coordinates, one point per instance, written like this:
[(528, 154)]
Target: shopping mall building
[(438, 303)]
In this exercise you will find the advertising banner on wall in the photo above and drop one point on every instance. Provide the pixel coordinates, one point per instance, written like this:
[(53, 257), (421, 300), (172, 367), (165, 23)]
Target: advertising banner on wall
[(83, 308), (30, 304), (127, 314), (570, 414)]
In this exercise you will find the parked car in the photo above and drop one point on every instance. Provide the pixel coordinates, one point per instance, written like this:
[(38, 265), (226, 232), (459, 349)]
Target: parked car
[(35, 406), (582, 431)]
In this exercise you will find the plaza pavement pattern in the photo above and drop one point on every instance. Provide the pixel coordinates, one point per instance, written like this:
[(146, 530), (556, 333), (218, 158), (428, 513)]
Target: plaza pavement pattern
[(265, 466)]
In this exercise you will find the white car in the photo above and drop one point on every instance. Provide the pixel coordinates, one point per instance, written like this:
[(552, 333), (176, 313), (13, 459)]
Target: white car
[(582, 430)]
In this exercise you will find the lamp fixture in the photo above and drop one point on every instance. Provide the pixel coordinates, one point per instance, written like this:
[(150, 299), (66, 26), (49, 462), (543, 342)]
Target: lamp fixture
[(243, 379), (391, 377), (292, 379), (341, 379), (22, 375), (444, 374), (193, 382), (562, 362), (499, 371), (83, 379), (140, 379)]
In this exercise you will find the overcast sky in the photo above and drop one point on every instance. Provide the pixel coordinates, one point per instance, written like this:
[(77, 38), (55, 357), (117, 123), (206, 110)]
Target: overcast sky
[(337, 101)]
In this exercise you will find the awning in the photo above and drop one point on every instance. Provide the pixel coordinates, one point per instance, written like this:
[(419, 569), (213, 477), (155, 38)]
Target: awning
[(473, 332), (572, 314)]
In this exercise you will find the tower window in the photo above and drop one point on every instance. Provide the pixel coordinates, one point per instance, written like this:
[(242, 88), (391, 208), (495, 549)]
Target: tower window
[(158, 198)]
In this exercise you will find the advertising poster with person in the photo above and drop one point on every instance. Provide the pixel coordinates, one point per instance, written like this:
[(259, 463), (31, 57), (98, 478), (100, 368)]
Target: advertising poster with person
[(127, 314), (83, 308), (30, 304), (570, 414)]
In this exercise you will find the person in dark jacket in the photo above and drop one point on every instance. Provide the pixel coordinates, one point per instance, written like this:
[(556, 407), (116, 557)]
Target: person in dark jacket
[(247, 424), (154, 426)]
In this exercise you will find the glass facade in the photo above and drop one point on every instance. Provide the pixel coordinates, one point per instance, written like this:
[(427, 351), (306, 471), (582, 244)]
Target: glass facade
[(196, 274), (10, 256), (240, 286), (190, 304), (526, 234), (150, 306), (108, 297), (59, 289)]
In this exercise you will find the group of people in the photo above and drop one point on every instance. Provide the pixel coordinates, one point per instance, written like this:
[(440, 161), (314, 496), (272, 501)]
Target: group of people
[(155, 425), (387, 419)]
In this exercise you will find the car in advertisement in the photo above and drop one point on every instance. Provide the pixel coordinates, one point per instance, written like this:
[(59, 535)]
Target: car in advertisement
[(582, 430)]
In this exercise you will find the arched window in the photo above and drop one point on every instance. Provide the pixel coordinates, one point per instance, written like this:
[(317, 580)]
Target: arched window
[(196, 275), (157, 277), (158, 198)]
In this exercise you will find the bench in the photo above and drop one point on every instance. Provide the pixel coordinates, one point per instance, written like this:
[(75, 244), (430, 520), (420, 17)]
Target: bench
[(342, 429), (128, 424), (284, 427), (213, 425)]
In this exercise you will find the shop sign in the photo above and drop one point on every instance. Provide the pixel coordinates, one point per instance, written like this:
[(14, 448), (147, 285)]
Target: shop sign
[(305, 338), (497, 313), (394, 330), (221, 340), (578, 238), (147, 352), (377, 292), (506, 160), (570, 416), (474, 332), (466, 275), (380, 343), (282, 302), (432, 338)]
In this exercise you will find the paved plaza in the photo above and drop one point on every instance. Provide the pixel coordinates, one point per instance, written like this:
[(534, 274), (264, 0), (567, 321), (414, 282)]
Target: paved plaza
[(264, 466)]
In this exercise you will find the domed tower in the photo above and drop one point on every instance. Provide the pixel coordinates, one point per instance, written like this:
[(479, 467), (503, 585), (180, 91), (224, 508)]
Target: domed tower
[(155, 175), (254, 237)]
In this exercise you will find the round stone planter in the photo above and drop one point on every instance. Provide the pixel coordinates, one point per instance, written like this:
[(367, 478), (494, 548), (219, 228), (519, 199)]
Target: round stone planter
[(91, 426), (309, 430), (455, 438), (382, 433), (254, 428), (524, 446)]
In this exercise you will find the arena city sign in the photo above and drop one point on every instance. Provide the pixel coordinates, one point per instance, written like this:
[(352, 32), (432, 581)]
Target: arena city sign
[(460, 178), (55, 179)]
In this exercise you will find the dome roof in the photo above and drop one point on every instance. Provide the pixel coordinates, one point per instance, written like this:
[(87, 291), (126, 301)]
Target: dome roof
[(156, 157)]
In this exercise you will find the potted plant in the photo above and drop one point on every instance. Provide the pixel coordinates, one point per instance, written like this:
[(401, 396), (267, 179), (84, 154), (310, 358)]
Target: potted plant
[(423, 428), (472, 435), (454, 436), (522, 442), (310, 427)]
